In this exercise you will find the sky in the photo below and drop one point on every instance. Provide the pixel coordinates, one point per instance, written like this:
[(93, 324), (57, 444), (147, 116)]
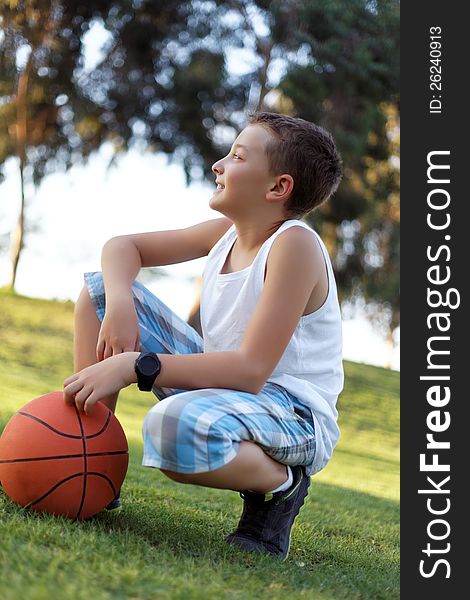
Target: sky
[(72, 215)]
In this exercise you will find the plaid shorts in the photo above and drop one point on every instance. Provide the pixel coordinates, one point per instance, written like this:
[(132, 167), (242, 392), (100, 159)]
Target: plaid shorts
[(201, 430)]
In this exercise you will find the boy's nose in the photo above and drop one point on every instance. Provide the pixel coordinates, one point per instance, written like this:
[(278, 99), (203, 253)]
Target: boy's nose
[(217, 167)]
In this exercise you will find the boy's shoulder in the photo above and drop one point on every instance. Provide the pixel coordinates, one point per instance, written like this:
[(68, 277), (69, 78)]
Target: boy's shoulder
[(300, 242), (296, 259), (297, 248)]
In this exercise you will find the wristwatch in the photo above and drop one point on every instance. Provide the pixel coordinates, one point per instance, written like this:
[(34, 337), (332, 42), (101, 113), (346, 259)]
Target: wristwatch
[(147, 366)]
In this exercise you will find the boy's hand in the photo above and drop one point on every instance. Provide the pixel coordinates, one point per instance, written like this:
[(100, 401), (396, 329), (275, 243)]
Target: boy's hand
[(119, 331), (100, 380)]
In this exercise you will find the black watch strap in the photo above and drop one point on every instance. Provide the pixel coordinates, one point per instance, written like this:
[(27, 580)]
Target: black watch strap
[(147, 367)]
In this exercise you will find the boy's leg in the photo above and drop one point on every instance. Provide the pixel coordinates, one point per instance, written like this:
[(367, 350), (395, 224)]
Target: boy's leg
[(252, 469), (239, 441), (227, 438), (161, 331), (85, 338)]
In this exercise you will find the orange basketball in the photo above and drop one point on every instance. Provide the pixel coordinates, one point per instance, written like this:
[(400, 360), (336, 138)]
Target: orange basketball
[(56, 459)]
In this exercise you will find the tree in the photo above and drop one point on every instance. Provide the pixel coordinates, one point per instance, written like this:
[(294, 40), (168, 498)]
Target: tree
[(367, 257), (152, 86), (163, 83), (37, 59)]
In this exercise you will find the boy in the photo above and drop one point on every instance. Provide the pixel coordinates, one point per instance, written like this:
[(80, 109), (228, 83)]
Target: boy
[(250, 406)]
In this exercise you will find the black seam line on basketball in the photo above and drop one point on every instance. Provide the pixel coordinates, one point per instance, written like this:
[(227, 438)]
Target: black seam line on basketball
[(19, 460), (54, 487), (107, 479), (68, 479), (75, 437), (85, 465)]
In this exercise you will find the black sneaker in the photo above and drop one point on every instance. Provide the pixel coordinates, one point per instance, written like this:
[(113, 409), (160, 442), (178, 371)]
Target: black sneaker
[(115, 503), (267, 519)]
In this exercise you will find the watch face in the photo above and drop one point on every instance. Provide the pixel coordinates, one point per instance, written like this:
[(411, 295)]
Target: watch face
[(147, 365)]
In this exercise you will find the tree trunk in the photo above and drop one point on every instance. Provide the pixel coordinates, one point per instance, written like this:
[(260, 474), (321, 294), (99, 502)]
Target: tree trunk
[(17, 237), (16, 240), (264, 49), (390, 344)]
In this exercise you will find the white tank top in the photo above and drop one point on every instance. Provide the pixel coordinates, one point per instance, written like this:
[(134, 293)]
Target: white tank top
[(311, 367)]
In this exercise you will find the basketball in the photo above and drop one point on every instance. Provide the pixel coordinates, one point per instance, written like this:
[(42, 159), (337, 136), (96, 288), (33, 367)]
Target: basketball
[(56, 459)]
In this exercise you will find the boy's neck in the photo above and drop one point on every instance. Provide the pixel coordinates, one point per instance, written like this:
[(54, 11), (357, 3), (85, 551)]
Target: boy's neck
[(252, 235)]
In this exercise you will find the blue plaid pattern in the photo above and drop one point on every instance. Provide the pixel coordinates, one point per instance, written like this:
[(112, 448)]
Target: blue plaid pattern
[(201, 430)]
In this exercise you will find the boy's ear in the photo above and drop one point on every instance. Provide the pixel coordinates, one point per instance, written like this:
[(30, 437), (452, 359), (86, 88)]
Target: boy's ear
[(282, 188)]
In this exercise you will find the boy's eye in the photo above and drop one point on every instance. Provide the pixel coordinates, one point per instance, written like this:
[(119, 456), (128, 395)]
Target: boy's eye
[(235, 155)]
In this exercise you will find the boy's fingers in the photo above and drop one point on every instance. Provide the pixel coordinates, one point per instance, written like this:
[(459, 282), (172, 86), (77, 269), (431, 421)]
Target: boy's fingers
[(71, 390), (81, 397), (89, 403), (99, 350), (70, 379)]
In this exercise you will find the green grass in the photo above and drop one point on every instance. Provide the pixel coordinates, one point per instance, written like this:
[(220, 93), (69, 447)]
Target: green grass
[(167, 542)]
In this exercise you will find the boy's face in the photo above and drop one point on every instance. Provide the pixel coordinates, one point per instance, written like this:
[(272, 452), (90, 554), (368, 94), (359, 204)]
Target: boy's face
[(244, 173)]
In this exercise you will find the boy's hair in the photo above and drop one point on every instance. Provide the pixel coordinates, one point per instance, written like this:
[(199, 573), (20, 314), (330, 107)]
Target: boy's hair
[(308, 153)]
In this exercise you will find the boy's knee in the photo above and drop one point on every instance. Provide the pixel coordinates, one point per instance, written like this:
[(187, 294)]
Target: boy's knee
[(153, 420), (152, 427), (167, 423), (84, 303), (179, 477), (164, 438), (84, 296)]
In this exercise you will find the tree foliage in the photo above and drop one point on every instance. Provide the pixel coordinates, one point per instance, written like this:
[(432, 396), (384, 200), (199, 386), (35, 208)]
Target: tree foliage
[(163, 82)]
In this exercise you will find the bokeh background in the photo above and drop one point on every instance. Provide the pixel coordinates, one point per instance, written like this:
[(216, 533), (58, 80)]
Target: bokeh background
[(112, 113)]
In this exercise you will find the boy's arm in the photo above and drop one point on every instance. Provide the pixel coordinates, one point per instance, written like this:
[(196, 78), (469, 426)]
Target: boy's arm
[(228, 370), (293, 269), (123, 256), (120, 265)]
